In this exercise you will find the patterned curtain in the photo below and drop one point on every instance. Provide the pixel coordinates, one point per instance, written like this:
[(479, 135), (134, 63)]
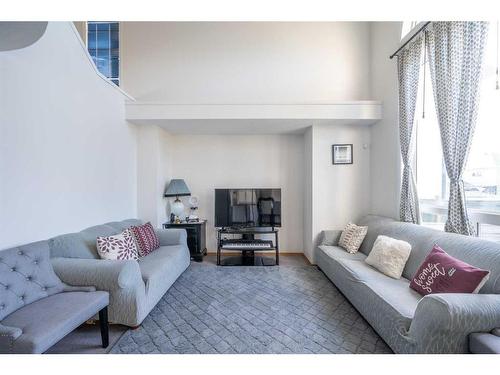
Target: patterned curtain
[(456, 57), (408, 75)]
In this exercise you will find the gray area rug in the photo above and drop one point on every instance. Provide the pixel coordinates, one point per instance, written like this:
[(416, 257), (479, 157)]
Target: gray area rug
[(252, 310)]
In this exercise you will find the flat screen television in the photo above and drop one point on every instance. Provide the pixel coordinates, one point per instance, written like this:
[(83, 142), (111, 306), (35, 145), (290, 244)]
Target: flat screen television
[(247, 208)]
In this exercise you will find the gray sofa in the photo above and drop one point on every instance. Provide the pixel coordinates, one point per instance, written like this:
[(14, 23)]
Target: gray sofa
[(134, 287), (484, 342), (408, 322), (36, 308)]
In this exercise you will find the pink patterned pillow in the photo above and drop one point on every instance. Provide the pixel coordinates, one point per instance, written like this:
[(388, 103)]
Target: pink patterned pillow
[(441, 273), (118, 247), (146, 238)]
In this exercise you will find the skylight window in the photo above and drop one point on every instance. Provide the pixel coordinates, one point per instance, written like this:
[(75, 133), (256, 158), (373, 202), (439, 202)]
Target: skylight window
[(104, 48)]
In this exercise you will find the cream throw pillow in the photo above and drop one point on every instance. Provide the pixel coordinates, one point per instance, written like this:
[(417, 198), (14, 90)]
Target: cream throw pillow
[(352, 236), (389, 256)]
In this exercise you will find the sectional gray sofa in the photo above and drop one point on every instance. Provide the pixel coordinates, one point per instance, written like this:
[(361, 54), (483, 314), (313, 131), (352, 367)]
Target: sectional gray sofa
[(408, 322), (134, 287), (36, 308)]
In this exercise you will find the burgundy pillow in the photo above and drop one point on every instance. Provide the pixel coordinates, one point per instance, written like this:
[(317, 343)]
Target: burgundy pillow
[(441, 273), (146, 238)]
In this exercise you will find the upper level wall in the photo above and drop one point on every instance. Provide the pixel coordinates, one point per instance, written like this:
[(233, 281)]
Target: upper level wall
[(67, 155), (246, 62), (81, 27), (385, 152)]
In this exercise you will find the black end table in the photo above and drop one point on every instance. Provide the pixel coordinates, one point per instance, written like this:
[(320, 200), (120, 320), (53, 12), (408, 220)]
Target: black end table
[(196, 237)]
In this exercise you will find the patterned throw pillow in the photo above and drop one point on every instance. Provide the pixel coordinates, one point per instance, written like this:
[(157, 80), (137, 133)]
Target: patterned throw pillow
[(146, 238), (352, 237), (441, 273), (118, 247)]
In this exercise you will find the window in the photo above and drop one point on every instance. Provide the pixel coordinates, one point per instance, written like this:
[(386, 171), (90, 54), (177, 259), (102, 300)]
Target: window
[(407, 27), (104, 47), (482, 174)]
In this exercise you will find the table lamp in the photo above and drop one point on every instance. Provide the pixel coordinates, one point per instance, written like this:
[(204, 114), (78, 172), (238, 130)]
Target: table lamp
[(177, 188)]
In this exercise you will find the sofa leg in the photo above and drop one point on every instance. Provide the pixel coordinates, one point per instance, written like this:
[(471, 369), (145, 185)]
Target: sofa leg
[(103, 323)]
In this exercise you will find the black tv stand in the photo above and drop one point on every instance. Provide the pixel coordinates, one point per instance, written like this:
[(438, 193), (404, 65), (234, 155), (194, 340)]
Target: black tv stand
[(248, 236), (246, 246)]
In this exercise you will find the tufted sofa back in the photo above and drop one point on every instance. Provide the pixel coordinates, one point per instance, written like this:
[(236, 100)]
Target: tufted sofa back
[(26, 275), (83, 244)]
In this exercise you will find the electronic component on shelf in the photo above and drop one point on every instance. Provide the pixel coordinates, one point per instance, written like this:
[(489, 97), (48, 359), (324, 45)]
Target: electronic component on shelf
[(247, 244)]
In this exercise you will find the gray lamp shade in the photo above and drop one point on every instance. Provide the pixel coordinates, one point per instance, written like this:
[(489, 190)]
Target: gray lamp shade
[(177, 188)]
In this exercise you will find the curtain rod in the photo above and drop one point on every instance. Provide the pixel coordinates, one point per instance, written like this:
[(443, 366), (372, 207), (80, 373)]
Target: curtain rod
[(410, 39)]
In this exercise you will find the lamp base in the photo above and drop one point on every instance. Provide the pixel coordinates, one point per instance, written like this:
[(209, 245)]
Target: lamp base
[(177, 208)]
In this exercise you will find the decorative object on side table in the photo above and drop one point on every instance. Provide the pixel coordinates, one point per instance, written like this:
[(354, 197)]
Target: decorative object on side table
[(342, 154), (196, 237), (193, 204), (177, 188)]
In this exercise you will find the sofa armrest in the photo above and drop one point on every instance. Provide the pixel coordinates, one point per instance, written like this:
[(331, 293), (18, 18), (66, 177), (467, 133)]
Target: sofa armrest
[(11, 332), (330, 237), (172, 236), (484, 343), (7, 336), (103, 274), (443, 322)]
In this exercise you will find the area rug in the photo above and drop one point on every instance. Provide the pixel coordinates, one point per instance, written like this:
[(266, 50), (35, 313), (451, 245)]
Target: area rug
[(252, 310)]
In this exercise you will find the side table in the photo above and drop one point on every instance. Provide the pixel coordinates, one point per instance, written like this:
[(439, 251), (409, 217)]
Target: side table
[(196, 237)]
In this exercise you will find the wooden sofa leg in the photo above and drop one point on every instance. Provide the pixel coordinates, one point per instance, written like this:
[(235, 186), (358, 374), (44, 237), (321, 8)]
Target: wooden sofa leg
[(103, 323)]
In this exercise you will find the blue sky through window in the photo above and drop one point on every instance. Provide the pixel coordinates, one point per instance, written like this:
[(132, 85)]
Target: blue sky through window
[(104, 48)]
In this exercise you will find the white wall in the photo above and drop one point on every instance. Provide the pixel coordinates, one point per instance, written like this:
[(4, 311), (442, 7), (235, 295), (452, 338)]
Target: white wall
[(154, 171), (317, 195), (308, 193), (385, 153), (232, 63), (67, 156), (340, 193), (207, 162), (81, 27), (246, 62)]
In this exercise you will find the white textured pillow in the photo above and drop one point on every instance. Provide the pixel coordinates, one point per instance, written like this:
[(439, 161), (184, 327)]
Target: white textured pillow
[(389, 256), (352, 237), (118, 247)]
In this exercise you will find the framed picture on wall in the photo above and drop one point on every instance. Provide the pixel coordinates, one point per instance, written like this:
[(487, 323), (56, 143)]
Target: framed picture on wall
[(342, 154)]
